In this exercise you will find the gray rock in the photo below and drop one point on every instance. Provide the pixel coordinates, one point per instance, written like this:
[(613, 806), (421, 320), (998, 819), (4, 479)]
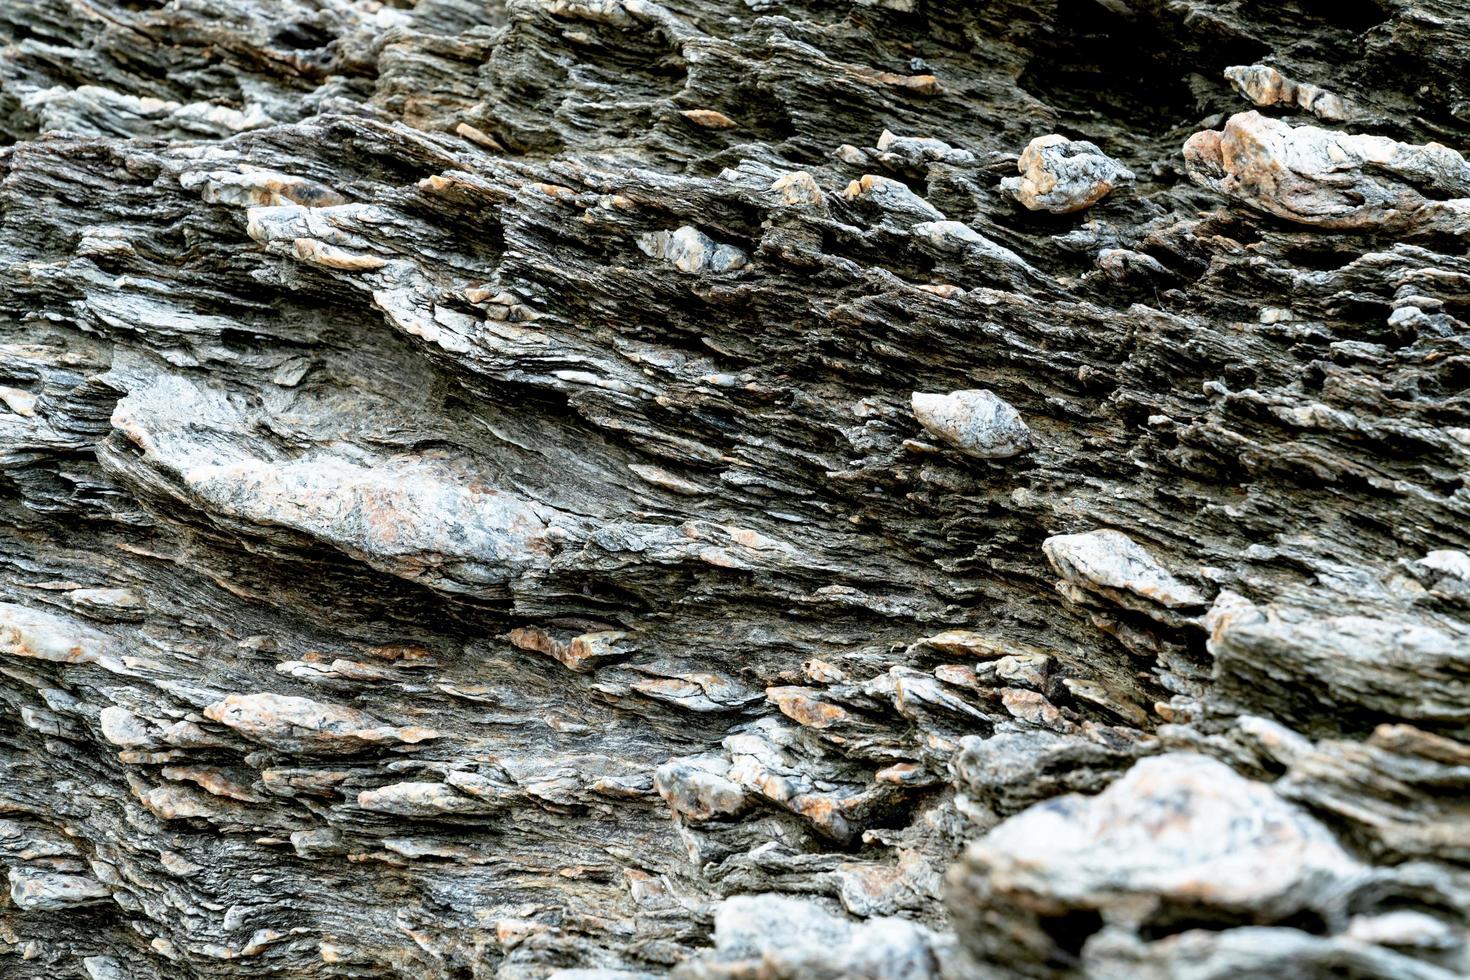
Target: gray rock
[(976, 421), (1061, 175), (1110, 561), (788, 937), (1179, 836)]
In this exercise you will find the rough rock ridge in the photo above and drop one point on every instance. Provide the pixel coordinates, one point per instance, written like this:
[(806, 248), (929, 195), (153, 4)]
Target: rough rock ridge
[(606, 489)]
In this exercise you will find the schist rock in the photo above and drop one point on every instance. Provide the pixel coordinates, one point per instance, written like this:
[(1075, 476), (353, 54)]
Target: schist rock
[(613, 489)]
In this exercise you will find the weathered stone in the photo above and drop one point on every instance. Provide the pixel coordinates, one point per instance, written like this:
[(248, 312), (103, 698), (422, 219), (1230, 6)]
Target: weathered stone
[(692, 251), (40, 890), (1061, 175), (779, 936), (1265, 86), (978, 422), (303, 725), (1290, 662), (1178, 836), (1332, 180), (1110, 560)]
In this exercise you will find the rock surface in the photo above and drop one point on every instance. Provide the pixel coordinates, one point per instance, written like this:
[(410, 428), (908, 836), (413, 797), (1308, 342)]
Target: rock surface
[(611, 489)]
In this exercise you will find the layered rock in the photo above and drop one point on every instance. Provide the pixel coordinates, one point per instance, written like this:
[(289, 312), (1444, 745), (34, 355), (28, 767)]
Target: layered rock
[(610, 489)]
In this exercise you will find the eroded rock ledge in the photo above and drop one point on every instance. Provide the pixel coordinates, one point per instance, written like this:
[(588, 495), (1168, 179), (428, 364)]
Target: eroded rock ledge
[(880, 489)]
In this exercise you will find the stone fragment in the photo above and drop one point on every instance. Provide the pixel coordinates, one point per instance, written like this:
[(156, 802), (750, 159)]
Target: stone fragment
[(420, 800), (253, 186), (1248, 952), (1099, 694), (215, 781), (956, 236), (414, 516), (1329, 179), (1109, 560), (691, 251), (1061, 175), (103, 968), (891, 196), (1029, 670), (698, 691), (1307, 668), (918, 151), (780, 936), (126, 730), (332, 257), (110, 603), (97, 110), (708, 118), (19, 401), (1033, 708), (35, 889), (34, 633), (1403, 793), (798, 188), (302, 725), (976, 421), (582, 653), (1447, 562), (802, 706), (1012, 770), (1179, 836), (1406, 929), (697, 788), (1266, 86)]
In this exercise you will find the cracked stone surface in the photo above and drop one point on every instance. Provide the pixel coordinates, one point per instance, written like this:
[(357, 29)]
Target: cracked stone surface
[(606, 489)]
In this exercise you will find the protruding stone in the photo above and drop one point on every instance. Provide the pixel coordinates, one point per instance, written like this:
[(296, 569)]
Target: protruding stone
[(1266, 86), (331, 257), (19, 401), (34, 633), (976, 421), (126, 730), (956, 236), (420, 800), (692, 251), (252, 186), (697, 788), (798, 188), (1110, 560), (802, 706), (1177, 835), (917, 151), (1012, 770), (708, 118), (892, 196), (303, 725), (1061, 175), (781, 936), (1329, 179), (36, 889), (1310, 669)]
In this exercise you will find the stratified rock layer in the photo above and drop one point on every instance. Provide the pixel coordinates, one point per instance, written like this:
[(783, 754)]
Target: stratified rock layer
[(891, 489)]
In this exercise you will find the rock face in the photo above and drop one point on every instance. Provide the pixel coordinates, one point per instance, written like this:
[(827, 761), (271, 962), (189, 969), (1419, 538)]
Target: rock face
[(610, 489)]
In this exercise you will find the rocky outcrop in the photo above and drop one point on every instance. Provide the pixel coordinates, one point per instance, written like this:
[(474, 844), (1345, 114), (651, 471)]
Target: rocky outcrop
[(607, 489)]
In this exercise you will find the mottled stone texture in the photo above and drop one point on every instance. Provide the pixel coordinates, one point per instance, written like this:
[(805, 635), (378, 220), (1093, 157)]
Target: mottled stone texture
[(601, 488)]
